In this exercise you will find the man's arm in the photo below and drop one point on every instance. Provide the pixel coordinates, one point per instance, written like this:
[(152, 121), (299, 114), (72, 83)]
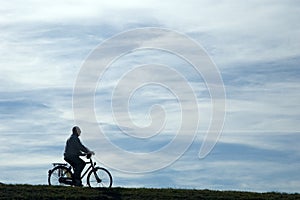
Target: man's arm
[(81, 147)]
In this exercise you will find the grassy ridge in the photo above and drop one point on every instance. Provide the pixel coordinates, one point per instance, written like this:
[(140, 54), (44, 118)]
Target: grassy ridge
[(51, 192)]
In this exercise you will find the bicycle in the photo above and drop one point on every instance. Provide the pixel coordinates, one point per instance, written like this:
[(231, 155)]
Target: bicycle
[(61, 174)]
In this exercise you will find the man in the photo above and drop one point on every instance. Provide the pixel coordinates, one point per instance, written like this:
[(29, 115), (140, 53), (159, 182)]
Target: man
[(73, 150)]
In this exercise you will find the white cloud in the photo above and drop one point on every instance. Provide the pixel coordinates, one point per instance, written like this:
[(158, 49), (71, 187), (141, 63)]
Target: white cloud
[(43, 44)]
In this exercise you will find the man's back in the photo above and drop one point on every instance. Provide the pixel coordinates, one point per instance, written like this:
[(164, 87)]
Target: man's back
[(74, 147)]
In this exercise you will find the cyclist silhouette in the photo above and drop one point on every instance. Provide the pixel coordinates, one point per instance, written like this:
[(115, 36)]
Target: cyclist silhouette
[(74, 148)]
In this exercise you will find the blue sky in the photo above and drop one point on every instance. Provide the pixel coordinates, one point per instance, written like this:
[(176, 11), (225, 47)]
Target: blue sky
[(254, 44)]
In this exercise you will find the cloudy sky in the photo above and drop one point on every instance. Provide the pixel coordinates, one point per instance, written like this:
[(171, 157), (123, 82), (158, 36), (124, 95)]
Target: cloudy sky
[(255, 46)]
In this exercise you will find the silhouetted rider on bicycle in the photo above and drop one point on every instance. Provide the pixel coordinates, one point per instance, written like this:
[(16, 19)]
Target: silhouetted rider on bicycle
[(73, 150)]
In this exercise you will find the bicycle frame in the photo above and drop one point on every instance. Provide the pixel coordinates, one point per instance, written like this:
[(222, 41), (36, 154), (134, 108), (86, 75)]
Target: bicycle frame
[(92, 166)]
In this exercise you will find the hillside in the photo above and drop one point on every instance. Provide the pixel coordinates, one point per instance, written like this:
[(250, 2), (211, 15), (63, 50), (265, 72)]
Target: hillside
[(51, 192)]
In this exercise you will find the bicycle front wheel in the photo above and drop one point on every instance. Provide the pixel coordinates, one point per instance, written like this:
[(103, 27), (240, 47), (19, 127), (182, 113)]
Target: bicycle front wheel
[(99, 178), (59, 172)]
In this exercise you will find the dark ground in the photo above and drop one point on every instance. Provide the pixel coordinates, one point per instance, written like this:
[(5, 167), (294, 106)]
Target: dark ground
[(51, 192)]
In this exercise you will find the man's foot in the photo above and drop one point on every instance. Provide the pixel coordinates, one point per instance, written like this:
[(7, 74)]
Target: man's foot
[(78, 183)]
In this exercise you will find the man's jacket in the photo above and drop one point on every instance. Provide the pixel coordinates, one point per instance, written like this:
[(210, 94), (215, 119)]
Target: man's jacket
[(74, 147)]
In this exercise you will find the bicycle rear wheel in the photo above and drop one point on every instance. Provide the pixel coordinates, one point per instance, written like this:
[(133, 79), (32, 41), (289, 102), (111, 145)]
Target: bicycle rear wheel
[(99, 178), (59, 172)]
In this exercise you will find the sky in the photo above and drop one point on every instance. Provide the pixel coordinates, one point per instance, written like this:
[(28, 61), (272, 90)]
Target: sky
[(45, 47)]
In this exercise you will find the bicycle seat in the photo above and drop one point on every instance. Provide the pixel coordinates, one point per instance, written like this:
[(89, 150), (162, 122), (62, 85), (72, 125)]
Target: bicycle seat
[(59, 164)]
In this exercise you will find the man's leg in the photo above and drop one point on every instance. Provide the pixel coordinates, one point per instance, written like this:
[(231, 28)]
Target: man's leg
[(78, 165)]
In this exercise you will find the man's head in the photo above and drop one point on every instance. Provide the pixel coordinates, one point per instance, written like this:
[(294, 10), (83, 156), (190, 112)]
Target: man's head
[(76, 130)]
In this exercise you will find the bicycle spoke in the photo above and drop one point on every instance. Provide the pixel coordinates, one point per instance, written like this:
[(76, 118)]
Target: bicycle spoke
[(99, 178), (57, 173)]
